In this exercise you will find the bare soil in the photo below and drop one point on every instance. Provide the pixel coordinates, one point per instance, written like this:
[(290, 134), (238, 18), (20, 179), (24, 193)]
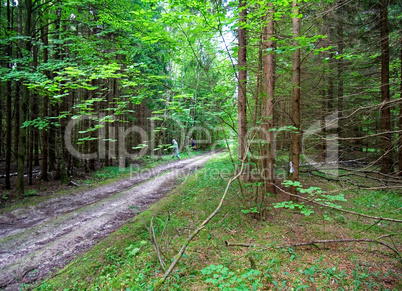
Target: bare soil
[(35, 240)]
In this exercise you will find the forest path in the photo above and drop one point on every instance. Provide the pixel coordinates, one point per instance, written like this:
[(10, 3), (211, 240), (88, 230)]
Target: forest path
[(34, 240)]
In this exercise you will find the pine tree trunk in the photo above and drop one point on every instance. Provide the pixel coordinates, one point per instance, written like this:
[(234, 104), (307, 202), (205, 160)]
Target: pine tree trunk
[(323, 126), (8, 134), (242, 80), (268, 106), (400, 116), (340, 68), (8, 107), (24, 107), (296, 136), (386, 138), (45, 107)]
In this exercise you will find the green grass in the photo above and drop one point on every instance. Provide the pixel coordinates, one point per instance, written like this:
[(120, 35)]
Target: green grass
[(126, 260)]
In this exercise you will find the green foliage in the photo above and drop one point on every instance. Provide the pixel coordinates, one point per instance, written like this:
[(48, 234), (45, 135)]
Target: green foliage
[(30, 193), (251, 210), (223, 279), (315, 193)]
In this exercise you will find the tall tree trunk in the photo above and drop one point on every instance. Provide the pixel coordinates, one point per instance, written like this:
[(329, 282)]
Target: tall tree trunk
[(45, 107), (386, 149), (93, 143), (8, 135), (268, 107), (340, 68), (61, 171), (257, 109), (1, 119), (17, 101), (242, 80), (30, 157), (323, 126), (24, 105), (296, 136), (400, 116), (8, 106)]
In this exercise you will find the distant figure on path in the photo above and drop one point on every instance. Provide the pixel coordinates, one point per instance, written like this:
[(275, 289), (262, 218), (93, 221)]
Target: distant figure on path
[(193, 144), (175, 149)]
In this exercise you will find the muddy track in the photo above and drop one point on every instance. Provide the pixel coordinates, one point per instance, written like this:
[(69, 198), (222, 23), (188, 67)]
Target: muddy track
[(35, 240)]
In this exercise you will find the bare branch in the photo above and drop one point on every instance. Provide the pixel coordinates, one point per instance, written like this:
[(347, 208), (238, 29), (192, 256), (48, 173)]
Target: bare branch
[(151, 231), (314, 242), (340, 209)]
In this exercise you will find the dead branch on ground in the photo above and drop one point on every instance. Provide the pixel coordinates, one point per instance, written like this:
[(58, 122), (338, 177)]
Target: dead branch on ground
[(315, 242), (339, 209)]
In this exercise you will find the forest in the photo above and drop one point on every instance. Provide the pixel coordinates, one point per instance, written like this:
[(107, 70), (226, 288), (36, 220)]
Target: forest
[(297, 104)]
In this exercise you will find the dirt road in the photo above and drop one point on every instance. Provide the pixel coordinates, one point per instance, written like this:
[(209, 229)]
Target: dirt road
[(34, 240)]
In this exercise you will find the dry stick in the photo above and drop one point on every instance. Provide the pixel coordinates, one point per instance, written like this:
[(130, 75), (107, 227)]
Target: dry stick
[(231, 158), (199, 228), (370, 172), (151, 231), (166, 223), (318, 242), (359, 186), (339, 209)]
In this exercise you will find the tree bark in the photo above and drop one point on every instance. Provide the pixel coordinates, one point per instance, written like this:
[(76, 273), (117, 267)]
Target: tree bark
[(45, 107), (242, 80), (296, 116), (386, 139), (400, 115), (24, 106), (268, 107), (340, 68), (8, 106)]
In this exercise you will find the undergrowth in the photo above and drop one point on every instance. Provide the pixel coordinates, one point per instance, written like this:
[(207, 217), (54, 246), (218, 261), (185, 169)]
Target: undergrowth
[(127, 259)]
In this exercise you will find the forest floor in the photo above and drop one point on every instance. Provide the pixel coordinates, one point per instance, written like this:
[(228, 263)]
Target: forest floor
[(38, 238), (247, 245)]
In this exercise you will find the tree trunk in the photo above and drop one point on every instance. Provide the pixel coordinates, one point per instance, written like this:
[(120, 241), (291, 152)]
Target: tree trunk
[(323, 126), (400, 116), (8, 107), (242, 80), (386, 147), (257, 109), (340, 68), (268, 107), (296, 136), (24, 106), (45, 107)]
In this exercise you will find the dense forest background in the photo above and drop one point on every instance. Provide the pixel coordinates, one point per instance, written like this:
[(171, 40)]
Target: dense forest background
[(86, 84)]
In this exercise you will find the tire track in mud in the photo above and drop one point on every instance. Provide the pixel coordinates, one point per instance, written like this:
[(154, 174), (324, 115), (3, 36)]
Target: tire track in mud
[(36, 239)]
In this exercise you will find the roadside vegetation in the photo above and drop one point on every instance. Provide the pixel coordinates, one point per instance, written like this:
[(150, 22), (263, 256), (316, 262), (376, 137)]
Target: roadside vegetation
[(245, 247)]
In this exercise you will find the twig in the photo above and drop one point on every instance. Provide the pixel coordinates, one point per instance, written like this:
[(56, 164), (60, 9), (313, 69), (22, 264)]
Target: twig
[(166, 223), (377, 222), (151, 231)]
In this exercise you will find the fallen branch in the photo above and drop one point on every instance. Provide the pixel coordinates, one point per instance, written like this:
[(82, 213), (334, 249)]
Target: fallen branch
[(73, 184), (339, 209), (317, 242)]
